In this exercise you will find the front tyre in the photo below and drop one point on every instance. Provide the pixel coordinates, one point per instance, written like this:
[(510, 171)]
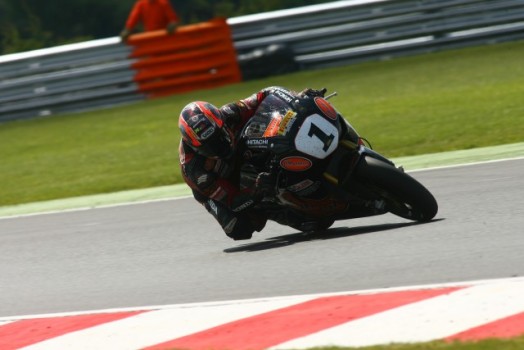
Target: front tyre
[(404, 196)]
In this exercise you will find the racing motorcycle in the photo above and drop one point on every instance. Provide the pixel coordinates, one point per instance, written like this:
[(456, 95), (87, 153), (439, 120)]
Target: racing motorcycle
[(323, 170)]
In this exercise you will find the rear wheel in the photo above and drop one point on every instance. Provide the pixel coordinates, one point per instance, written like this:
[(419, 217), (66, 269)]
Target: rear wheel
[(404, 196)]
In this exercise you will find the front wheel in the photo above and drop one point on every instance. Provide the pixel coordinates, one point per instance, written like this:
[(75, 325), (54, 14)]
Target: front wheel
[(404, 196)]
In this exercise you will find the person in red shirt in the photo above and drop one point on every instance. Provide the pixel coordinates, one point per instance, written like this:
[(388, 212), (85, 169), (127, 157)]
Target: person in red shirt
[(153, 14)]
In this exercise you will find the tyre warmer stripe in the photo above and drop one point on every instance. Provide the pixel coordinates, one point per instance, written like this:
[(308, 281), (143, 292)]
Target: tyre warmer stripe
[(450, 312)]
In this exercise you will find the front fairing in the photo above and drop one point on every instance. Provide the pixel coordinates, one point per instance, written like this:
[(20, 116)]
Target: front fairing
[(294, 138), (310, 127)]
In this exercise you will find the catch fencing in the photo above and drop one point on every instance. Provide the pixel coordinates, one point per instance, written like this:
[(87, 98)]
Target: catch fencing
[(106, 72)]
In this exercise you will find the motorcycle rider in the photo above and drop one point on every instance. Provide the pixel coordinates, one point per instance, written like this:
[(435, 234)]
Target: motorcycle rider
[(211, 166)]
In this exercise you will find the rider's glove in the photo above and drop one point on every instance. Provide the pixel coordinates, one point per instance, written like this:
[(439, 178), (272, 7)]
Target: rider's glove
[(313, 93), (265, 183)]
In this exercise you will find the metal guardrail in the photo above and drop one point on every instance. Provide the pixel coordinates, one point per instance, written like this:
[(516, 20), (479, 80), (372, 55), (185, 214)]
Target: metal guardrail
[(67, 78), (354, 31), (104, 73), (98, 73)]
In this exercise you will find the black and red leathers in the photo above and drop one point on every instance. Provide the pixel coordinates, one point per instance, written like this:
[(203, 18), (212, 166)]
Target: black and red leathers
[(215, 182)]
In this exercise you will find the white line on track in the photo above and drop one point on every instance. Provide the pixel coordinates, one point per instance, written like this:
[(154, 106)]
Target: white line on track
[(464, 164)]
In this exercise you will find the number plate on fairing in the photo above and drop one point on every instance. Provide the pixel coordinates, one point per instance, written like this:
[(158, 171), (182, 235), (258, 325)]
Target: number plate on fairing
[(317, 137)]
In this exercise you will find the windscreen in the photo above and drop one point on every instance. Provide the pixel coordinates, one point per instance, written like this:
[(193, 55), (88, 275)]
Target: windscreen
[(267, 118)]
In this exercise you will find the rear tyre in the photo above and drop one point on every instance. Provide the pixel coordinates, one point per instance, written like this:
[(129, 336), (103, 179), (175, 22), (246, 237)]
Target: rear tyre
[(404, 196)]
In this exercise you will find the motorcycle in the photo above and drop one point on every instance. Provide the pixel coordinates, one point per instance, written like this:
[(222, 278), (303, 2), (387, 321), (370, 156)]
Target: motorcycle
[(323, 169)]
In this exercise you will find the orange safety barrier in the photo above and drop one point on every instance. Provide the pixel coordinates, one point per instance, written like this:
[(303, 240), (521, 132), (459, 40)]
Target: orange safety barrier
[(198, 56)]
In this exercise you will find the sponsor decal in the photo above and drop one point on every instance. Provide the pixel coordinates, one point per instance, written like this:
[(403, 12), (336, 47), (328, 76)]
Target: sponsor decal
[(244, 206), (327, 109), (257, 143), (296, 163), (206, 133), (272, 128), (300, 186), (202, 179), (306, 191), (283, 95), (287, 122), (213, 206)]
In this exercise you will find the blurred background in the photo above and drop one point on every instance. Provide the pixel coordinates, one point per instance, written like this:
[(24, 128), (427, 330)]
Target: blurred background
[(34, 24)]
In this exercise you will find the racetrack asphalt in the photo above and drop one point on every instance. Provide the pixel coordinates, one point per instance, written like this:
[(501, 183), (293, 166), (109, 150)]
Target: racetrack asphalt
[(171, 251)]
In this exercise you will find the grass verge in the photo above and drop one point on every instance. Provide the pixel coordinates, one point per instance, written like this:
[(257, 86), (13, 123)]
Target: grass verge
[(430, 103), (487, 344)]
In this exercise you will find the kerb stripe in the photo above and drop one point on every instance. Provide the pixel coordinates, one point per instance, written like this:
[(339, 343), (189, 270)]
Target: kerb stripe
[(436, 318), (508, 327), (26, 332), (271, 328)]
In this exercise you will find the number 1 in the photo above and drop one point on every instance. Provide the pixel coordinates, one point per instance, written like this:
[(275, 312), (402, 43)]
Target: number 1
[(321, 135)]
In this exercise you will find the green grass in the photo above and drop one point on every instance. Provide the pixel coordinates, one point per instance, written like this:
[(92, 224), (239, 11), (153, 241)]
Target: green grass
[(445, 101), (488, 344)]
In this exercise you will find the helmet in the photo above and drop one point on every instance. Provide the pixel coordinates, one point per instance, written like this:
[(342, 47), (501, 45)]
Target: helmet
[(203, 129)]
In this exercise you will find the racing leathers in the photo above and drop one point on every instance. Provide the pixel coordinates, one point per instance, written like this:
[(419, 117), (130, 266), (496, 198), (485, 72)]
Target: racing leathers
[(215, 182)]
